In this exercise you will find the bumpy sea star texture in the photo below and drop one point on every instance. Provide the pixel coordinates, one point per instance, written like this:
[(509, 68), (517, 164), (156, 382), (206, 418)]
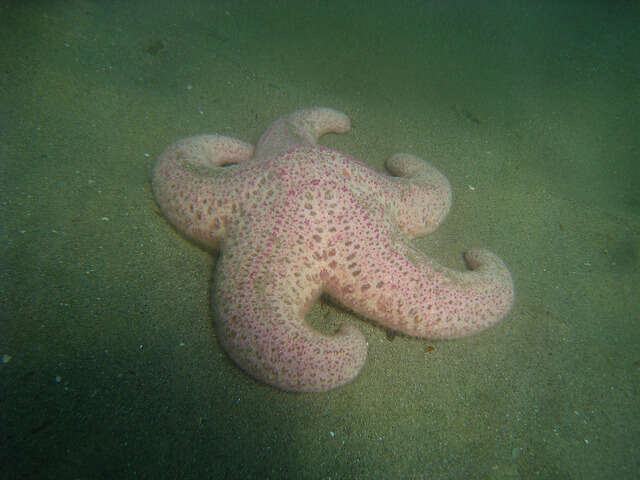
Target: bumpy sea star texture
[(292, 220)]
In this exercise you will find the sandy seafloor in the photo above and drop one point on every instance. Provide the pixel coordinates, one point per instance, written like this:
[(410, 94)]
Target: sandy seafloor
[(110, 367)]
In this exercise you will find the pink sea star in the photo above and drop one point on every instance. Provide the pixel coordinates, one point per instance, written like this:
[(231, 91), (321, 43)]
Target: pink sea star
[(292, 220)]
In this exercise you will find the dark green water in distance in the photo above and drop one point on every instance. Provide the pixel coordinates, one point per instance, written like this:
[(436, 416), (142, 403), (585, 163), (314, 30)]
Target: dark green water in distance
[(109, 365)]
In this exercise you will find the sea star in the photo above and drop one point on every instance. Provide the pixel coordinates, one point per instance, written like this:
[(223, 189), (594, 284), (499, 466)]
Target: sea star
[(292, 220)]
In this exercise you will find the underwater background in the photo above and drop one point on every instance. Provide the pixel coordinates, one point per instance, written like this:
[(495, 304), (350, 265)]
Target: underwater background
[(109, 365)]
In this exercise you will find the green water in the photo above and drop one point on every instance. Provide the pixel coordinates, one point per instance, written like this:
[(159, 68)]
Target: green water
[(109, 363)]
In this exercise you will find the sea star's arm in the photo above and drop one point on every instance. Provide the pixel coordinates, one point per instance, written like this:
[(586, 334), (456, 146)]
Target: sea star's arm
[(377, 274), (417, 197), (259, 299), (300, 127), (195, 190)]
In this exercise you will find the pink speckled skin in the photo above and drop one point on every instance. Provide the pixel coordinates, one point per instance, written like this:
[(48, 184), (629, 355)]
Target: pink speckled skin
[(292, 220)]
